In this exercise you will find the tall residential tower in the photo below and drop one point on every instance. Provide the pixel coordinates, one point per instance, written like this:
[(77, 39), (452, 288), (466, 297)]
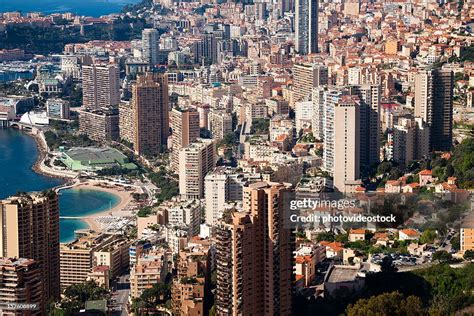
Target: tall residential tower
[(29, 228), (147, 115), (434, 104), (100, 86), (254, 253), (306, 26)]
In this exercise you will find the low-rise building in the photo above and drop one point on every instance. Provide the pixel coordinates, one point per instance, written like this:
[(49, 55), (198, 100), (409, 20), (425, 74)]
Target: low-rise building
[(93, 159), (150, 269), (356, 235), (408, 234), (346, 278)]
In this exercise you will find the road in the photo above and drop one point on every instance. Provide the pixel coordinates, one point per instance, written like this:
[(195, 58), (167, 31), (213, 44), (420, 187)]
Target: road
[(121, 293)]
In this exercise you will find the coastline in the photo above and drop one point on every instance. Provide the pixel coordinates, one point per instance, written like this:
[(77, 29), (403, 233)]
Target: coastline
[(70, 181), (124, 197), (39, 166)]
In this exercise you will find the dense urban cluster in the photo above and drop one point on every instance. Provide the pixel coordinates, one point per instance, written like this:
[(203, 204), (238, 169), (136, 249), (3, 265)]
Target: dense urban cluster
[(209, 119)]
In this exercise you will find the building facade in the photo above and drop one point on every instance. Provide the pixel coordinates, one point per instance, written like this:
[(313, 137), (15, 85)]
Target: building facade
[(29, 228), (306, 26), (195, 161), (254, 254), (434, 104), (100, 86)]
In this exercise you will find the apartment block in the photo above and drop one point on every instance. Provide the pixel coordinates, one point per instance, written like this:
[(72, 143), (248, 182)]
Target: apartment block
[(305, 78), (21, 282), (145, 121), (346, 143), (434, 91), (92, 249), (195, 161), (254, 253), (411, 140), (101, 124), (29, 228), (222, 185), (186, 214), (220, 124), (185, 128), (149, 270), (100, 86), (190, 290)]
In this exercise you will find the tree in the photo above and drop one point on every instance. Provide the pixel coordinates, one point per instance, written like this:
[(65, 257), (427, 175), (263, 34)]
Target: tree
[(387, 265), (325, 236), (76, 295), (152, 297), (387, 304), (213, 311), (428, 236), (384, 167), (228, 140), (469, 255), (260, 126), (442, 256), (144, 212)]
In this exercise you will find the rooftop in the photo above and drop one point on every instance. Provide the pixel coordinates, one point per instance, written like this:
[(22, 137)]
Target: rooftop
[(95, 154), (342, 274)]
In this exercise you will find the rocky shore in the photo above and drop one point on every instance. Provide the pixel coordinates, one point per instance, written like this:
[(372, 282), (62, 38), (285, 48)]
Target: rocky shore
[(39, 166)]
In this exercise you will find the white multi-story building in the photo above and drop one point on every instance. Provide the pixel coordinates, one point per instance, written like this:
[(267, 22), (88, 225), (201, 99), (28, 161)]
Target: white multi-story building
[(220, 124), (150, 46), (195, 161), (222, 186), (303, 114), (186, 214)]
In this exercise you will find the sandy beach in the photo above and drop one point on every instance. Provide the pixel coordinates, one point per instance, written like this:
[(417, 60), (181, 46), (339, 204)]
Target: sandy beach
[(124, 197)]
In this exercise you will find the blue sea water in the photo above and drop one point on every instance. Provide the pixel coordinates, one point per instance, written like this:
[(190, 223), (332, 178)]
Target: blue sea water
[(83, 202), (93, 8), (67, 228), (18, 153)]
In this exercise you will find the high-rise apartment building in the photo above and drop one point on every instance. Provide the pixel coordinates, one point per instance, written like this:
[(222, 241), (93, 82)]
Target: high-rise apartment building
[(305, 78), (340, 123), (100, 124), (328, 98), (100, 86), (29, 228), (303, 114), (221, 186), (220, 124), (185, 129), (411, 140), (306, 26), (346, 143), (21, 283), (195, 161), (370, 125), (434, 104), (150, 45), (145, 121), (254, 253)]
